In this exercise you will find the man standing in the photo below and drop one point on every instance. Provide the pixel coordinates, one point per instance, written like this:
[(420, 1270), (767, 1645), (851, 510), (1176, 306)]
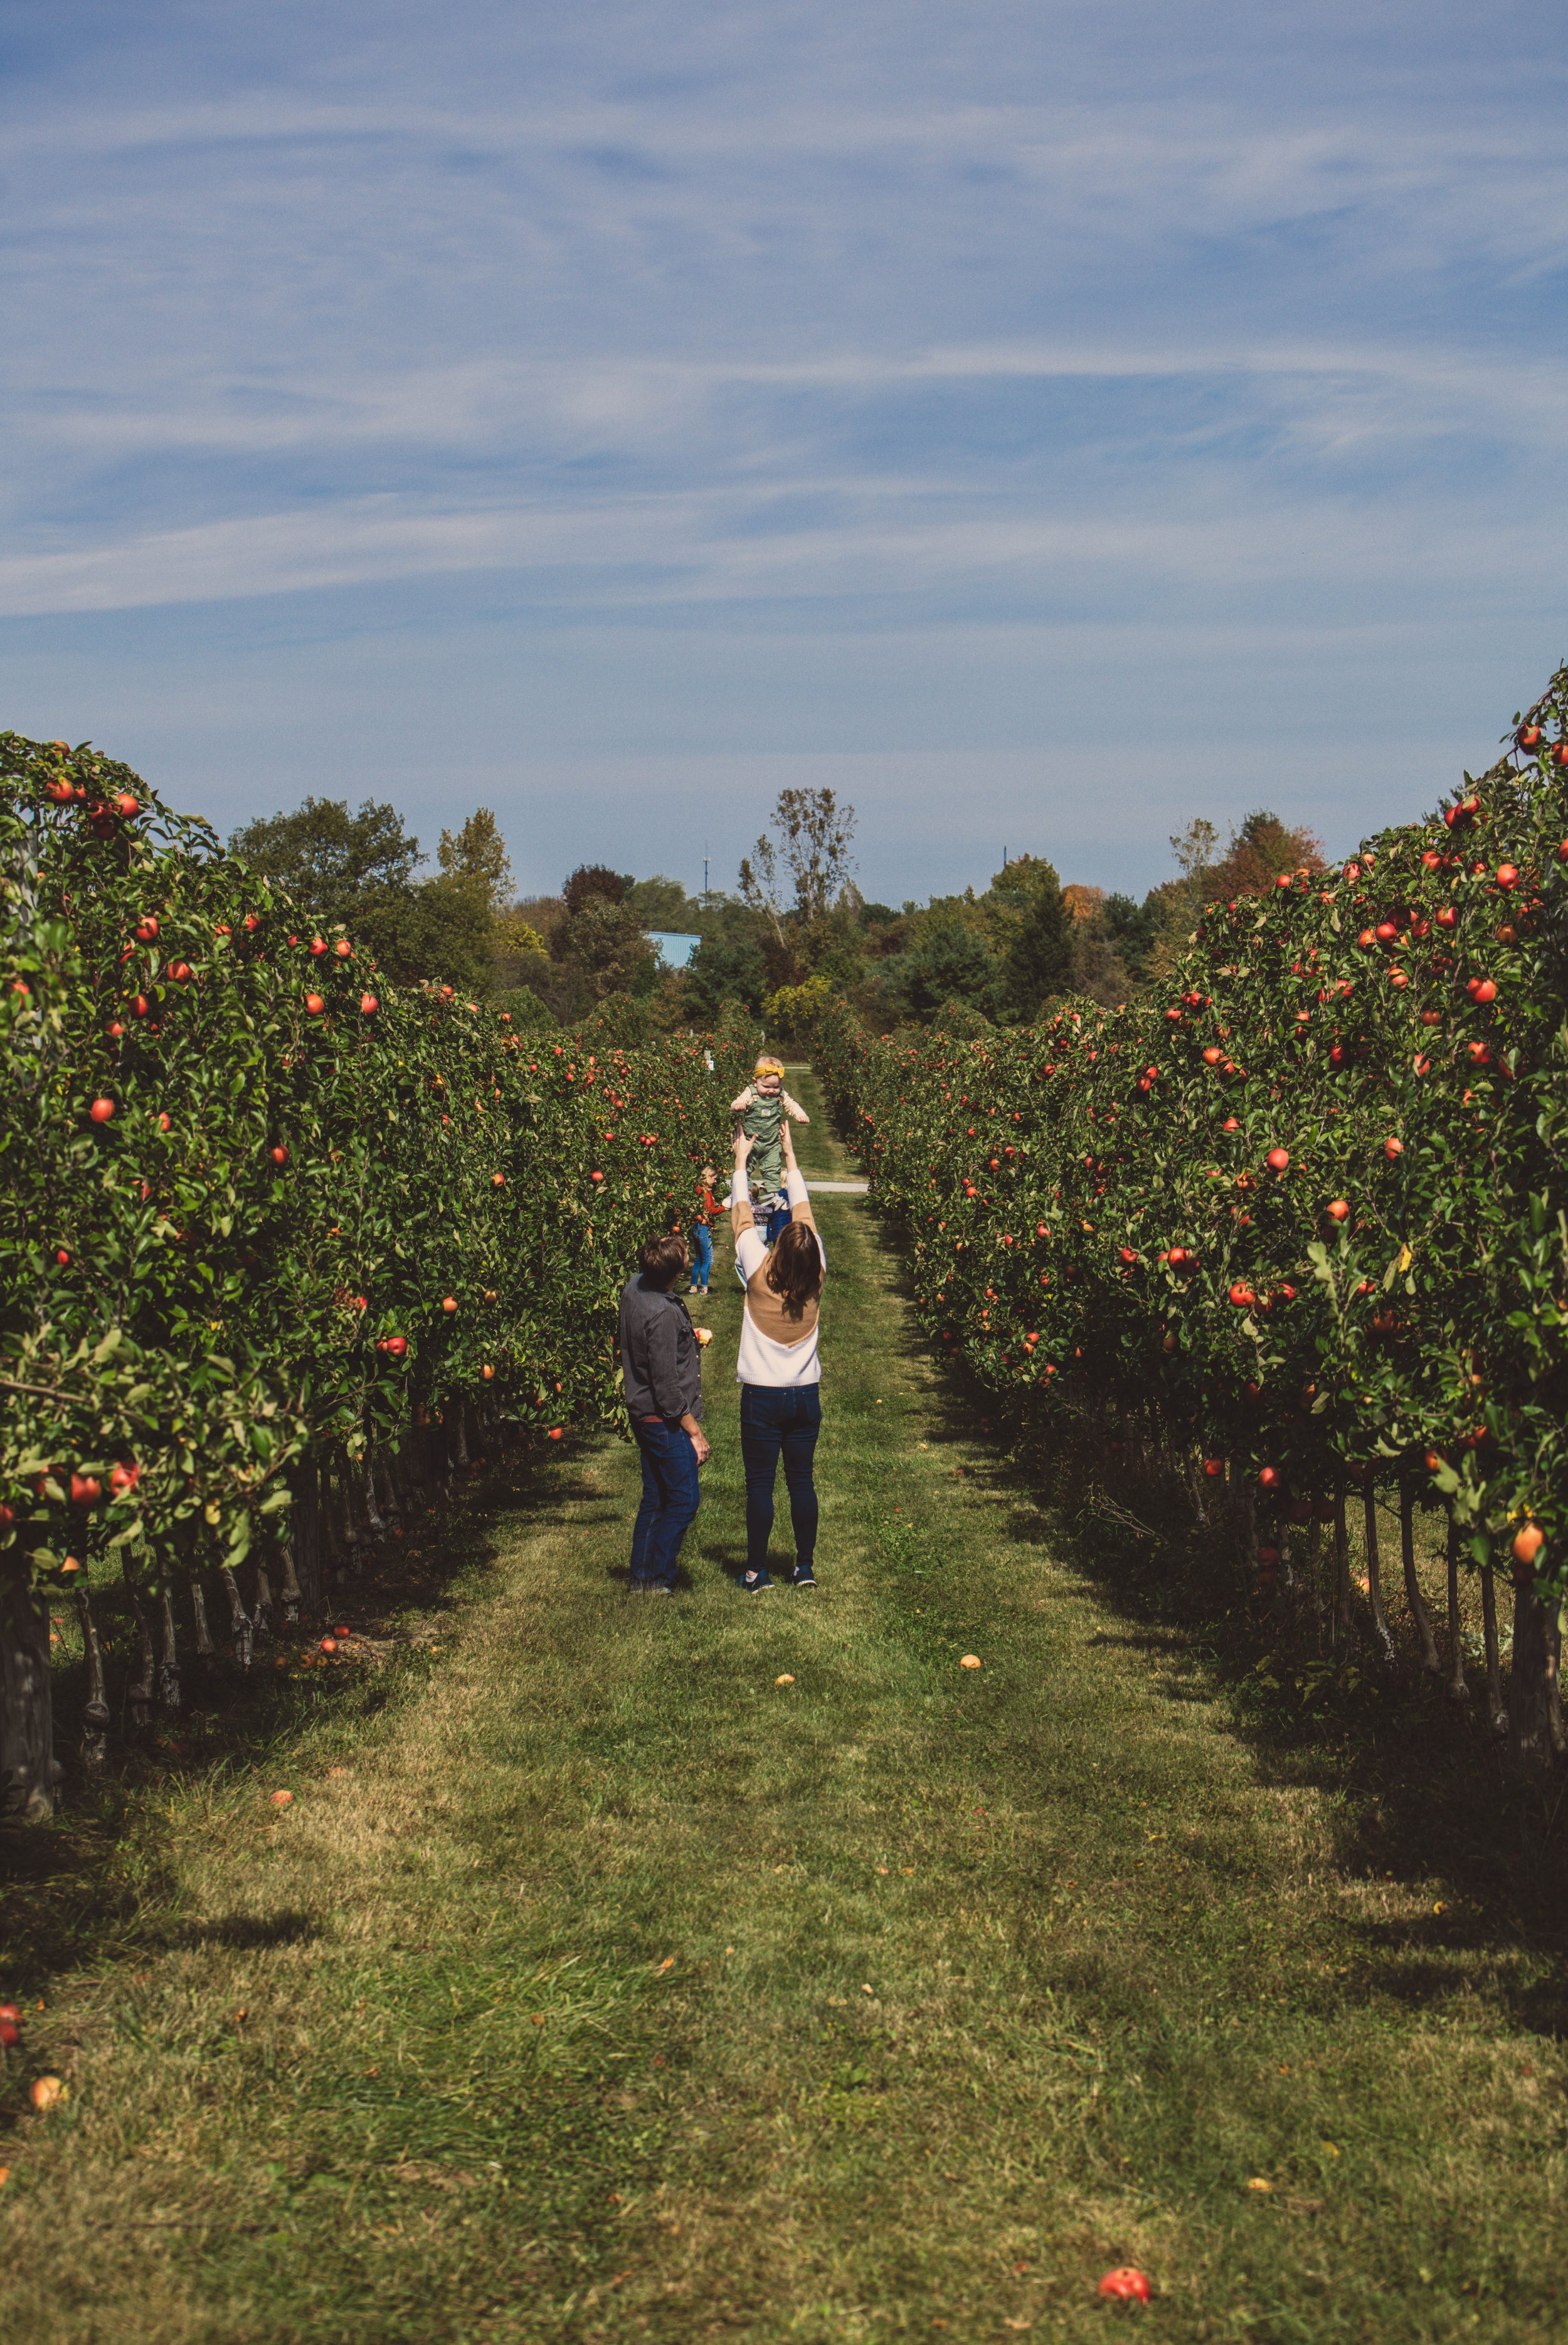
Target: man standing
[(662, 1379)]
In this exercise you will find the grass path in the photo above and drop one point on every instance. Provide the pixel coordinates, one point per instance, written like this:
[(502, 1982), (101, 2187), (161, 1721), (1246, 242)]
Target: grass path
[(597, 1985)]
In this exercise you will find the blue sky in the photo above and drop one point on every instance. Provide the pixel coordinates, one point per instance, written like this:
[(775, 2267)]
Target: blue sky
[(1040, 423)]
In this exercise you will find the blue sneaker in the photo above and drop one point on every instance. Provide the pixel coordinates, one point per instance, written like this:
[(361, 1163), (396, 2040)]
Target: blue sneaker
[(754, 1582), (802, 1575)]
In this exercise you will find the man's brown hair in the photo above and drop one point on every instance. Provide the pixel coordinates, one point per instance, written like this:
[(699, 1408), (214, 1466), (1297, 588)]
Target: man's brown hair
[(663, 1259), (795, 1273)]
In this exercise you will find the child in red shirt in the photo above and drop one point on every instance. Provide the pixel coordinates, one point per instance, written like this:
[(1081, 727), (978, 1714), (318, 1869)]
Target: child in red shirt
[(702, 1235)]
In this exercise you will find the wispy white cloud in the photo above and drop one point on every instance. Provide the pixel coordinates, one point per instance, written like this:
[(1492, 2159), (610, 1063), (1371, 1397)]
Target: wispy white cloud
[(893, 318)]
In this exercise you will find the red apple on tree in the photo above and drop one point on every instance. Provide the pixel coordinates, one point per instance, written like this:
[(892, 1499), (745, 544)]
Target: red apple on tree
[(1278, 1160), (101, 1109)]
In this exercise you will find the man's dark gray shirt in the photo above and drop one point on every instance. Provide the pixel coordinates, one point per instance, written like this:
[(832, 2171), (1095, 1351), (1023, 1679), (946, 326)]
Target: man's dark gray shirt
[(662, 1366)]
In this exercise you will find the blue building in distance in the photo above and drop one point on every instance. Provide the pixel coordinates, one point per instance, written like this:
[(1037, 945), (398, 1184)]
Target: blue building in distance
[(673, 949)]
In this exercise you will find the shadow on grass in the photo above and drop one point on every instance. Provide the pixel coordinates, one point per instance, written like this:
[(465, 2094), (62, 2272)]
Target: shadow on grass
[(1416, 1789), (247, 1932), (88, 1882)]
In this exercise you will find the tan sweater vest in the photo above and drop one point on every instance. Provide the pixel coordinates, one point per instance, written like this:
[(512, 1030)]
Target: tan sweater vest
[(765, 1307)]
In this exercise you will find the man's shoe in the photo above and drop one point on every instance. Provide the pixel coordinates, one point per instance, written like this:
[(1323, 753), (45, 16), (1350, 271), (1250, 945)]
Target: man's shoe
[(802, 1575), (754, 1582), (650, 1587)]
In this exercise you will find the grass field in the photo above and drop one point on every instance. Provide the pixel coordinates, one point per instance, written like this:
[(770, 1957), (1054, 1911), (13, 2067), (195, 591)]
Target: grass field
[(746, 1968)]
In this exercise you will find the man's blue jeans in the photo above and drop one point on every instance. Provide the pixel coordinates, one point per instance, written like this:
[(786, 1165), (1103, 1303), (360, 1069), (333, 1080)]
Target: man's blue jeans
[(779, 1419), (671, 1497), (702, 1253)]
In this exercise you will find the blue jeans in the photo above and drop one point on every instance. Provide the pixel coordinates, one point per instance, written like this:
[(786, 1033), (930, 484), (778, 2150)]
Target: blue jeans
[(773, 1420), (778, 1220), (671, 1497), (702, 1253)]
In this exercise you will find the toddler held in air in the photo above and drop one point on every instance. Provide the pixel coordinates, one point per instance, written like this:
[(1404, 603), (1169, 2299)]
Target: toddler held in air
[(760, 1112)]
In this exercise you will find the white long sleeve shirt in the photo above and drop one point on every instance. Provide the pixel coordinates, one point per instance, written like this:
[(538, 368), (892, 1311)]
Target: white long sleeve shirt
[(768, 1358)]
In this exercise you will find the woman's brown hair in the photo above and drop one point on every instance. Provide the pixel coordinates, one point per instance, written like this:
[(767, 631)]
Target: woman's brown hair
[(795, 1273)]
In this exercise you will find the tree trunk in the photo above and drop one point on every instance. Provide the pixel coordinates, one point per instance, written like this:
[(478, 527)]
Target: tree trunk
[(1195, 1488), (1496, 1714), (290, 1582), (1529, 1685), (347, 1526), (391, 1500), (372, 1512), (305, 1539), (457, 1414), (1375, 1575), (1315, 1578), (168, 1656), (95, 1711), (205, 1647), (1413, 1597), (261, 1610), (26, 1702), (239, 1618), (1456, 1682), (1555, 1680), (139, 1690), (332, 1532), (1344, 1615)]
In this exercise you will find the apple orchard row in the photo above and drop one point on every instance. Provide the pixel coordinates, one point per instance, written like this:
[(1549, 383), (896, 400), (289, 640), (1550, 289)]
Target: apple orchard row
[(1309, 1200), (261, 1209)]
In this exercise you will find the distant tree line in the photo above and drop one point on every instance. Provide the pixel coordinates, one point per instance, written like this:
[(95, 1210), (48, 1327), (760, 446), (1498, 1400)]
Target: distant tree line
[(797, 926)]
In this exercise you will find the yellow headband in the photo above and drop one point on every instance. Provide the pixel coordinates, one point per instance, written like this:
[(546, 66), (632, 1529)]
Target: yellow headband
[(768, 1067)]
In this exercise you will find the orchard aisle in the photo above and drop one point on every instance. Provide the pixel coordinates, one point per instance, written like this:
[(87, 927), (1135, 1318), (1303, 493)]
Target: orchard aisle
[(748, 1968)]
